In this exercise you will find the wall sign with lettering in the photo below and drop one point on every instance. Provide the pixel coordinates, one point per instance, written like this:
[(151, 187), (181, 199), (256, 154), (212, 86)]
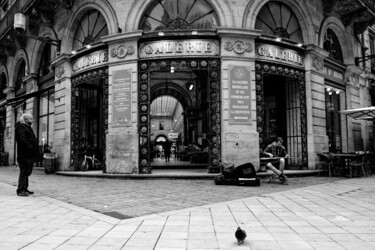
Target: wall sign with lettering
[(279, 54), (121, 98), (239, 95), (170, 48), (94, 59)]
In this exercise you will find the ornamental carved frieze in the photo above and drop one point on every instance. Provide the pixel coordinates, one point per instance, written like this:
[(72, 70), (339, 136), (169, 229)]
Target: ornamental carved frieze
[(352, 78), (122, 50), (239, 47), (29, 87), (59, 71), (318, 63)]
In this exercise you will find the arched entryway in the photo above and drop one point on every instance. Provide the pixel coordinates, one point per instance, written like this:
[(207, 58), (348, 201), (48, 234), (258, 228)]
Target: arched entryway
[(195, 84)]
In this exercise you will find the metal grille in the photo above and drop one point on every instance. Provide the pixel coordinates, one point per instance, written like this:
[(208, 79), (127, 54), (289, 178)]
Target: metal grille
[(212, 66), (76, 114), (295, 110)]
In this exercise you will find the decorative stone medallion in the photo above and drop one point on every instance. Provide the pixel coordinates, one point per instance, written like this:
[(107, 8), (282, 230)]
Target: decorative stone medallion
[(29, 87), (122, 50), (318, 63), (59, 71), (239, 47)]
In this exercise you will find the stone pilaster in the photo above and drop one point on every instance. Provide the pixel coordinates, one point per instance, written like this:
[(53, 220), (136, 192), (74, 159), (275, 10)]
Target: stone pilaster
[(355, 98), (317, 139), (9, 126), (239, 143), (62, 133), (122, 141)]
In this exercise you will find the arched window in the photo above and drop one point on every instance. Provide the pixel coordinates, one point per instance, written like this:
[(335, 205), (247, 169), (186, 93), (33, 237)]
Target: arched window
[(90, 29), (48, 53), (3, 85), (332, 45), (277, 19), (179, 15), (21, 73)]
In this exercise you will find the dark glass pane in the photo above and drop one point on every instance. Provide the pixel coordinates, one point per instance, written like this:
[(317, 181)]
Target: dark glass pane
[(3, 86), (275, 12), (332, 45), (285, 16), (20, 75)]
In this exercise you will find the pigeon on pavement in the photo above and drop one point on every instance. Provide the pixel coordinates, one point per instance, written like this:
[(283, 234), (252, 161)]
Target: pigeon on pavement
[(240, 235)]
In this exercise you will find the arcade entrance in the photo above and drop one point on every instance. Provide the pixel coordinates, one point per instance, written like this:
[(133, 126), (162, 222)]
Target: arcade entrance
[(179, 104), (281, 110)]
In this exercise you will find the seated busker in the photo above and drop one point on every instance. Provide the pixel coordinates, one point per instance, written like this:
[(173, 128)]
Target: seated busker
[(276, 149)]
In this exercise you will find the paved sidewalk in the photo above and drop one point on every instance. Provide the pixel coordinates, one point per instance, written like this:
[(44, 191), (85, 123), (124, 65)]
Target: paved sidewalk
[(128, 198), (337, 215)]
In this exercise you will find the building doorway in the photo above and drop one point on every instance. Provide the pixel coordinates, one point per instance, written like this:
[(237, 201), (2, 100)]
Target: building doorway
[(89, 119), (179, 100), (281, 112)]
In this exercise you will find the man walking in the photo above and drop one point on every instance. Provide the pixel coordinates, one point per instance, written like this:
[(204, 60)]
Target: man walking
[(27, 152)]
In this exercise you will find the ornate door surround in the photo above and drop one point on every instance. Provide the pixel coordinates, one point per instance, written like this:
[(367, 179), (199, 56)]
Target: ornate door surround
[(145, 67), (262, 68)]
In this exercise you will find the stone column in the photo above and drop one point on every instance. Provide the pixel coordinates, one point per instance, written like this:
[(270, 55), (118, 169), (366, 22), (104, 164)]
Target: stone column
[(122, 140), (239, 142), (9, 126), (355, 98), (317, 139), (62, 129)]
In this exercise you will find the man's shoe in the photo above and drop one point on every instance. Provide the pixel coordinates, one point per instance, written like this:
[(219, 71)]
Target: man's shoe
[(22, 193), (29, 192)]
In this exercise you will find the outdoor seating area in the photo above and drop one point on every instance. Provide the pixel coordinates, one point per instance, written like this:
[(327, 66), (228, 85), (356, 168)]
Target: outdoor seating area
[(356, 164)]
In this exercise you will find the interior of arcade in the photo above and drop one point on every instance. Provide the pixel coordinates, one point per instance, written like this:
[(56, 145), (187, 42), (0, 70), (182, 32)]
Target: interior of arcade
[(179, 119)]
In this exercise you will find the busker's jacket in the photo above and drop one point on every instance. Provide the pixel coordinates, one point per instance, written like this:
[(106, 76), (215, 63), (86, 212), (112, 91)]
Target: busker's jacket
[(27, 144)]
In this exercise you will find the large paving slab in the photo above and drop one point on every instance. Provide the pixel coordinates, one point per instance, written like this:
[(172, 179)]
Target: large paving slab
[(334, 215)]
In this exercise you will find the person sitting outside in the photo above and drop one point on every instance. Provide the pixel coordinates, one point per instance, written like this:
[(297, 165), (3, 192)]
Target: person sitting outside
[(276, 149)]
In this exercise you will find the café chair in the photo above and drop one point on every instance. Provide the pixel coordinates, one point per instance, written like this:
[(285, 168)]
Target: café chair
[(356, 166), (326, 163)]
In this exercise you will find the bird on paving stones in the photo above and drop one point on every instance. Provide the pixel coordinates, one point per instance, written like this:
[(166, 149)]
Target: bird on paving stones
[(240, 235)]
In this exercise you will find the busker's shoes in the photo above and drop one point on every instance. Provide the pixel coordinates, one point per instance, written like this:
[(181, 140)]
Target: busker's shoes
[(29, 192), (22, 193)]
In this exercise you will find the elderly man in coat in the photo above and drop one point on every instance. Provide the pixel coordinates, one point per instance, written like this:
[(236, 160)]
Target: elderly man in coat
[(27, 152)]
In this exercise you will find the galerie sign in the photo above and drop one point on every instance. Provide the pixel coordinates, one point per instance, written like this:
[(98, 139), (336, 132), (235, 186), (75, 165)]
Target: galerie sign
[(94, 59), (121, 98), (279, 54), (179, 48), (239, 95)]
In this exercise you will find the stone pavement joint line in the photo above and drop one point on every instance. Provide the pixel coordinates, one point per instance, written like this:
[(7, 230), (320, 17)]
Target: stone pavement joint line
[(336, 215)]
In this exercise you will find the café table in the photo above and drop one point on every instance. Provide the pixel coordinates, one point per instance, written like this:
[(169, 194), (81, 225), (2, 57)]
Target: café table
[(353, 163)]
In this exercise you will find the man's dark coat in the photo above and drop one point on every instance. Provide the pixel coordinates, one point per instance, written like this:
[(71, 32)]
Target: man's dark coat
[(27, 144)]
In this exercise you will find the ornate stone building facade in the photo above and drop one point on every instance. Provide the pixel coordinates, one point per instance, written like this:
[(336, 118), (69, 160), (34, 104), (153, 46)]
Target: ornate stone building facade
[(89, 71)]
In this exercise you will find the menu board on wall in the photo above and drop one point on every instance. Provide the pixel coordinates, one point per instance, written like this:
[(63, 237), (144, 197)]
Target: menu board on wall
[(239, 95), (121, 98)]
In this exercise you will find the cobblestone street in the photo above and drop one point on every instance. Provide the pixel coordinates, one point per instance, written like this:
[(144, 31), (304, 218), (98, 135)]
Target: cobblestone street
[(126, 198)]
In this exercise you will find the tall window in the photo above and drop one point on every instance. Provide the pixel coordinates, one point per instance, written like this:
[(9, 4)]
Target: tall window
[(277, 19), (45, 61), (333, 119), (3, 85), (332, 45), (179, 15), (19, 85), (46, 118), (372, 52)]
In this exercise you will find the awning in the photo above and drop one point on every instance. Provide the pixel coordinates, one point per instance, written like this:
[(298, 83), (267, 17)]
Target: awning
[(367, 113), (19, 99)]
